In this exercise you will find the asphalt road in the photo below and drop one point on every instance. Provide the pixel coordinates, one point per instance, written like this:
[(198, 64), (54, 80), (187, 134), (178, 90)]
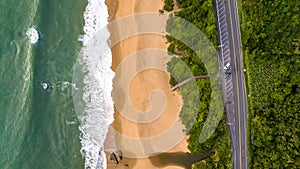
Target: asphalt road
[(234, 85)]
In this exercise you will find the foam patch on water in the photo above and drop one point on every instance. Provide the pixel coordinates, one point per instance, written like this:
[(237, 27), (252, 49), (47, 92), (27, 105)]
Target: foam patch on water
[(33, 35), (96, 60), (95, 18)]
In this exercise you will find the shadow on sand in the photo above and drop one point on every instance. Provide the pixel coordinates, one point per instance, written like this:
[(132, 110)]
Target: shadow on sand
[(182, 159)]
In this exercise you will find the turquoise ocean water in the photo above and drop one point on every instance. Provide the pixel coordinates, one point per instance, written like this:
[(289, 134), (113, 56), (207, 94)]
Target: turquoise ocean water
[(38, 128)]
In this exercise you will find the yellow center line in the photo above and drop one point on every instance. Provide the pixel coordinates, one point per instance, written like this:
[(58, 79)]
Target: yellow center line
[(236, 74)]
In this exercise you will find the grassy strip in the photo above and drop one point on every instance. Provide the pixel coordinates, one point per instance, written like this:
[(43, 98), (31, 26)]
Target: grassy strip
[(250, 109), (240, 13)]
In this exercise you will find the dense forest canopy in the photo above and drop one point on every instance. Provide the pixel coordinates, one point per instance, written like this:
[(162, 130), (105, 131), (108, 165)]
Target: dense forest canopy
[(271, 40), (271, 28)]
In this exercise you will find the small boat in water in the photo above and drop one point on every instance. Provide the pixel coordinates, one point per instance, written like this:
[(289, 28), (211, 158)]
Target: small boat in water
[(46, 85)]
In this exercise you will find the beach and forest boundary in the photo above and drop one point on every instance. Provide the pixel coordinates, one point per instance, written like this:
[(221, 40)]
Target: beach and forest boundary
[(215, 145)]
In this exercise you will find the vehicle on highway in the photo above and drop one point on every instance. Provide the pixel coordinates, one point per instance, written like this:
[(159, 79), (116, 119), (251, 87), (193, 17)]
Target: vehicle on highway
[(227, 70), (227, 67)]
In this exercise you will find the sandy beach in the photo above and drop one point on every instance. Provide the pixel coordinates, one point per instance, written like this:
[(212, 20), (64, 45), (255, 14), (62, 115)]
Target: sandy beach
[(140, 88)]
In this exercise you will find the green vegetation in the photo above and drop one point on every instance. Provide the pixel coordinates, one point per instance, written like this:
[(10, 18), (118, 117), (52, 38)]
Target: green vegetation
[(271, 40), (169, 5), (197, 102)]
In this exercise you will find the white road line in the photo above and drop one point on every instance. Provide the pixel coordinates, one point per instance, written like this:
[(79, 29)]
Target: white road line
[(222, 17), (223, 27), (224, 34)]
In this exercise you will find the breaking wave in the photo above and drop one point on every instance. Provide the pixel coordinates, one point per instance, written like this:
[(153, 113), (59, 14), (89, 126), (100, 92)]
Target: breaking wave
[(93, 77), (33, 35)]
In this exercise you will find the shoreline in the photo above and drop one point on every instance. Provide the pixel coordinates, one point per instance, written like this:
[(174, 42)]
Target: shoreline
[(141, 86)]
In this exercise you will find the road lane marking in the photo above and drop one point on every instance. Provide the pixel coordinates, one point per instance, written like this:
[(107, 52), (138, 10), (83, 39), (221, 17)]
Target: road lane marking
[(236, 74)]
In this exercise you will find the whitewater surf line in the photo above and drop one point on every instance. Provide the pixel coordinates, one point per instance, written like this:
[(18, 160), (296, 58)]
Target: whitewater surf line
[(95, 60)]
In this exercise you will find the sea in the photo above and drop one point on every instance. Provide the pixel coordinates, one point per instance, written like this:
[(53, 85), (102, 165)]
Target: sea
[(64, 126)]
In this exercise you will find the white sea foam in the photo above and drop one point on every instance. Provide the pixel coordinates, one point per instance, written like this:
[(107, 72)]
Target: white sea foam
[(33, 35), (96, 60), (95, 18), (66, 85)]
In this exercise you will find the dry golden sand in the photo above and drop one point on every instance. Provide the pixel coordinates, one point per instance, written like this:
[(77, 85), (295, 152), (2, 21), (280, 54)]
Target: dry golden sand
[(142, 84)]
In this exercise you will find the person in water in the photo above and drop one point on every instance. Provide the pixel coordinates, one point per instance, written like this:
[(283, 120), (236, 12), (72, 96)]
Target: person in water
[(46, 85)]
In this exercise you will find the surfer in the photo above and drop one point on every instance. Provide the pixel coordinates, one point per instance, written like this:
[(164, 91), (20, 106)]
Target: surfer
[(46, 85)]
